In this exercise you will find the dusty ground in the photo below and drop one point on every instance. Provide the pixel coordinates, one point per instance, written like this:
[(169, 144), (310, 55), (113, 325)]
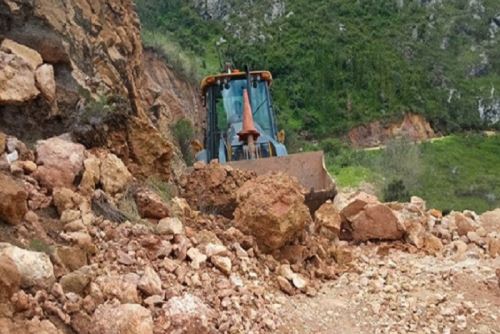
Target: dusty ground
[(402, 293)]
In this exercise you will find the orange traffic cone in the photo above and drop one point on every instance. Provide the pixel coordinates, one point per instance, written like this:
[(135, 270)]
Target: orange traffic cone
[(248, 129)]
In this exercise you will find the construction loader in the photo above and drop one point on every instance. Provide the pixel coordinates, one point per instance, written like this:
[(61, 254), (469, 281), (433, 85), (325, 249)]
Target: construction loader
[(241, 131)]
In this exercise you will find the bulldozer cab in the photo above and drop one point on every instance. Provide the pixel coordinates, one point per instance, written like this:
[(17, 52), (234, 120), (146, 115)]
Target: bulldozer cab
[(224, 97)]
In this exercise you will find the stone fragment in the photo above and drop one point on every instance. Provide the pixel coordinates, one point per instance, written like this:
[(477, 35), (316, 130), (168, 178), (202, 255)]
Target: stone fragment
[(10, 279), (212, 249), (464, 224), (122, 287), (59, 160), (285, 285), (418, 202), (150, 282), (327, 217), (197, 257), (34, 268), (432, 244), (188, 314), (71, 257), (150, 204), (13, 200), (494, 247), (17, 80), (65, 199), (91, 174), (351, 204), (45, 82), (75, 281), (170, 225), (271, 208), (376, 221), (299, 282), (114, 174), (29, 55), (122, 319), (223, 263)]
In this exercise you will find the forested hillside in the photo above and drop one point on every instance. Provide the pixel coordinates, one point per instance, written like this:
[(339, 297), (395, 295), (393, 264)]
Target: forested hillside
[(338, 64)]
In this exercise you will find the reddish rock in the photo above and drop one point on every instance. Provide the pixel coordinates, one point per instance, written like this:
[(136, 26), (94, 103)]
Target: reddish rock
[(188, 315), (13, 200), (376, 221), (213, 187), (150, 204), (464, 224), (122, 319), (351, 204), (60, 161), (327, 217), (490, 221), (10, 279), (271, 208)]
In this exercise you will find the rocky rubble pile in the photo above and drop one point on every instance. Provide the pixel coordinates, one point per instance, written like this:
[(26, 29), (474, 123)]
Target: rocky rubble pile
[(73, 259)]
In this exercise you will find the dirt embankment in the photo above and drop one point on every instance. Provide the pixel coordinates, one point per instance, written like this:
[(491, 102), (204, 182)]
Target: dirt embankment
[(412, 126)]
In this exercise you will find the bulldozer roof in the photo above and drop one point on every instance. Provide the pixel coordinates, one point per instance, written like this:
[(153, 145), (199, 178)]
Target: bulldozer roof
[(235, 74)]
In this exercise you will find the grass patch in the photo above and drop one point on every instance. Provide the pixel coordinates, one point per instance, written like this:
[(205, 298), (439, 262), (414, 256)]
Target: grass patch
[(457, 173), (164, 189), (38, 245)]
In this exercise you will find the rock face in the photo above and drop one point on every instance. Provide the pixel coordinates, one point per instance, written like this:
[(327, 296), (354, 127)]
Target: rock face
[(47, 37), (272, 209), (60, 162), (35, 268), (414, 127), (122, 319), (13, 200), (213, 187)]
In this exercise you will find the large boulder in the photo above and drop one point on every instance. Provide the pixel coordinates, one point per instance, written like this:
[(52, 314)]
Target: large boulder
[(376, 221), (271, 208), (328, 220), (122, 319), (60, 162), (13, 200), (35, 268), (17, 79), (30, 56), (212, 187), (351, 204), (114, 174)]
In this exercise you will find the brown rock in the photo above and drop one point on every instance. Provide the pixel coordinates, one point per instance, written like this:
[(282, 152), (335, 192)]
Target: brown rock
[(71, 257), (150, 282), (494, 247), (91, 174), (213, 188), (114, 174), (45, 82), (3, 142), (272, 209), (60, 161), (122, 287), (285, 285), (327, 217), (33, 326), (13, 200), (17, 80), (122, 319), (436, 213), (29, 55), (150, 204), (223, 263), (75, 281), (351, 204), (10, 279), (376, 221), (65, 199), (464, 224), (490, 221), (432, 244), (170, 225), (188, 314)]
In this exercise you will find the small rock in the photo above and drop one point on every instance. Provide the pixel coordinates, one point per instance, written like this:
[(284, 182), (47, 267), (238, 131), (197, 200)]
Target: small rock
[(212, 249), (197, 257), (13, 200), (285, 285), (10, 279), (299, 282), (222, 263), (170, 225), (150, 282)]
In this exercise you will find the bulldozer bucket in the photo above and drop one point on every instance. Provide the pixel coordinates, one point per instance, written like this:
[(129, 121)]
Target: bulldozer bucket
[(309, 169)]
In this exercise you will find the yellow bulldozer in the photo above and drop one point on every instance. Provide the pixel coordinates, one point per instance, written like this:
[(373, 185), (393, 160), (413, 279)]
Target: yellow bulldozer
[(242, 132)]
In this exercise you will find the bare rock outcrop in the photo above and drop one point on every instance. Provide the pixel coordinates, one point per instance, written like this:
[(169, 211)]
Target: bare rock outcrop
[(271, 208)]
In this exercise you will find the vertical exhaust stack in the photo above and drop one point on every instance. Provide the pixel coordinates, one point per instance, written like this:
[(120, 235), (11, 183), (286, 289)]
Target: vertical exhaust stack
[(248, 133)]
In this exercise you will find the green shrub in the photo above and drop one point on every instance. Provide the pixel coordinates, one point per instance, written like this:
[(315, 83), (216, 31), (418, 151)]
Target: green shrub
[(183, 132), (396, 191), (164, 189)]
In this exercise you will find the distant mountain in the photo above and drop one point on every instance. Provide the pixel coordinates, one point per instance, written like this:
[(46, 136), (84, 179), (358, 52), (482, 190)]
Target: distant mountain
[(339, 63)]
